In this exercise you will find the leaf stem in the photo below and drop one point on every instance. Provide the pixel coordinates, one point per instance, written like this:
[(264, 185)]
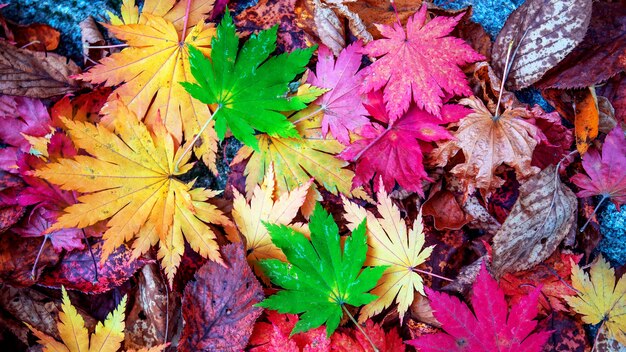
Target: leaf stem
[(504, 75), (195, 139), (595, 340), (432, 274), (360, 328), (604, 197), (32, 273), (395, 11), (182, 39), (367, 147), (124, 45), (93, 258)]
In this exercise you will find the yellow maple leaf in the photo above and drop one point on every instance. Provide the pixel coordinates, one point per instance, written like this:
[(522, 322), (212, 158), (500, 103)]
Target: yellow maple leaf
[(297, 160), (130, 179), (390, 243), (249, 218), (150, 69), (599, 299), (107, 337)]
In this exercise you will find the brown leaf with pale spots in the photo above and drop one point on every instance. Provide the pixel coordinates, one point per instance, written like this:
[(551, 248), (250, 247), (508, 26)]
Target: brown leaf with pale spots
[(218, 307), (542, 217), (542, 32)]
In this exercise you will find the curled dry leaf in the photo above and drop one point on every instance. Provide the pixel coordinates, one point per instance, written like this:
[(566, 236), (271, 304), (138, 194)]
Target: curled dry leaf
[(544, 214), (487, 142), (91, 36), (35, 74), (542, 33), (219, 306)]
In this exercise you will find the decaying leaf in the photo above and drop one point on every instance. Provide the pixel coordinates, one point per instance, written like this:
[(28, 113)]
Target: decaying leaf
[(489, 141), (542, 33), (265, 207), (35, 74), (544, 214), (219, 306), (600, 56), (393, 244), (600, 299), (78, 270), (130, 180), (297, 160), (17, 259)]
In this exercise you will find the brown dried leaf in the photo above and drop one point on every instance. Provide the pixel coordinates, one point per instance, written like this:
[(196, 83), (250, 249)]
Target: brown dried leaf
[(543, 32), (218, 307), (35, 74), (91, 36), (373, 12), (445, 210), (17, 257), (36, 36), (149, 316), (601, 55), (542, 217)]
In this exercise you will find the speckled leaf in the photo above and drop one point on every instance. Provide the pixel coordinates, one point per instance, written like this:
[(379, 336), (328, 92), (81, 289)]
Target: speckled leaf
[(76, 270), (543, 215), (601, 55), (218, 307), (543, 32)]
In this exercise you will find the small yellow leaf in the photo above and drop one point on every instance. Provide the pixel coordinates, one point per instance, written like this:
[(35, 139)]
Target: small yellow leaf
[(599, 299), (263, 207), (72, 327), (391, 243)]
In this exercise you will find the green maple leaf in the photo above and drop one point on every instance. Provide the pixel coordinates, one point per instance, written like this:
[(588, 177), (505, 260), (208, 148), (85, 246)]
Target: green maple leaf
[(248, 86), (319, 279)]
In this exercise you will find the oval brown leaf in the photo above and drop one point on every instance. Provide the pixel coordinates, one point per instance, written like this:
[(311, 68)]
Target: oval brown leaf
[(543, 32), (218, 308), (543, 215)]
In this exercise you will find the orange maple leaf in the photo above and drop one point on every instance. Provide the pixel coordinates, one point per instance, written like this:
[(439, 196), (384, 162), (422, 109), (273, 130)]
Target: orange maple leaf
[(149, 70), (129, 179)]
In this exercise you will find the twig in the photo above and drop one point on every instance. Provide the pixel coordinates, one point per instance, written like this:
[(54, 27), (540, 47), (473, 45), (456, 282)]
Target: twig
[(195, 139), (359, 327)]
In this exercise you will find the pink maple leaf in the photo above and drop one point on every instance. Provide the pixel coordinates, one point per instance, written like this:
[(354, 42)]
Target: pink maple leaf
[(395, 152), (491, 328), (342, 105), (422, 62), (39, 220), (22, 115), (607, 174)]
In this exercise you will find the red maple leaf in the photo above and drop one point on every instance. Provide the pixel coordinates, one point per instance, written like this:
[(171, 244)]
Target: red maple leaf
[(422, 62), (274, 336), (342, 105), (491, 328), (607, 174), (355, 341), (22, 115), (402, 143)]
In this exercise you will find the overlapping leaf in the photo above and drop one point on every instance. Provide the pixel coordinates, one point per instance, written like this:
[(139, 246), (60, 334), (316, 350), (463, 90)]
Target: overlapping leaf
[(342, 105), (491, 327), (248, 87), (606, 173), (149, 70), (296, 160), (129, 178), (600, 299), (391, 243), (264, 207), (420, 64), (320, 277)]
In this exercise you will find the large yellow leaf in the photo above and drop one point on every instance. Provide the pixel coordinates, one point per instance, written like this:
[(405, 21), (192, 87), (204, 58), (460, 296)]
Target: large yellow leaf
[(150, 69), (391, 243), (129, 179), (297, 160), (264, 208), (108, 336), (599, 300)]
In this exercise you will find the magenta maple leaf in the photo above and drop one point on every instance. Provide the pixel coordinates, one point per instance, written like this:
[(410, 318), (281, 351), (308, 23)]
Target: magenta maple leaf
[(422, 62), (22, 115), (607, 174), (396, 152), (491, 328), (342, 105), (39, 220)]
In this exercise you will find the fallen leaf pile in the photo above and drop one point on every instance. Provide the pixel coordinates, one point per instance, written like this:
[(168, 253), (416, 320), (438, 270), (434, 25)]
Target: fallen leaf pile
[(315, 175)]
